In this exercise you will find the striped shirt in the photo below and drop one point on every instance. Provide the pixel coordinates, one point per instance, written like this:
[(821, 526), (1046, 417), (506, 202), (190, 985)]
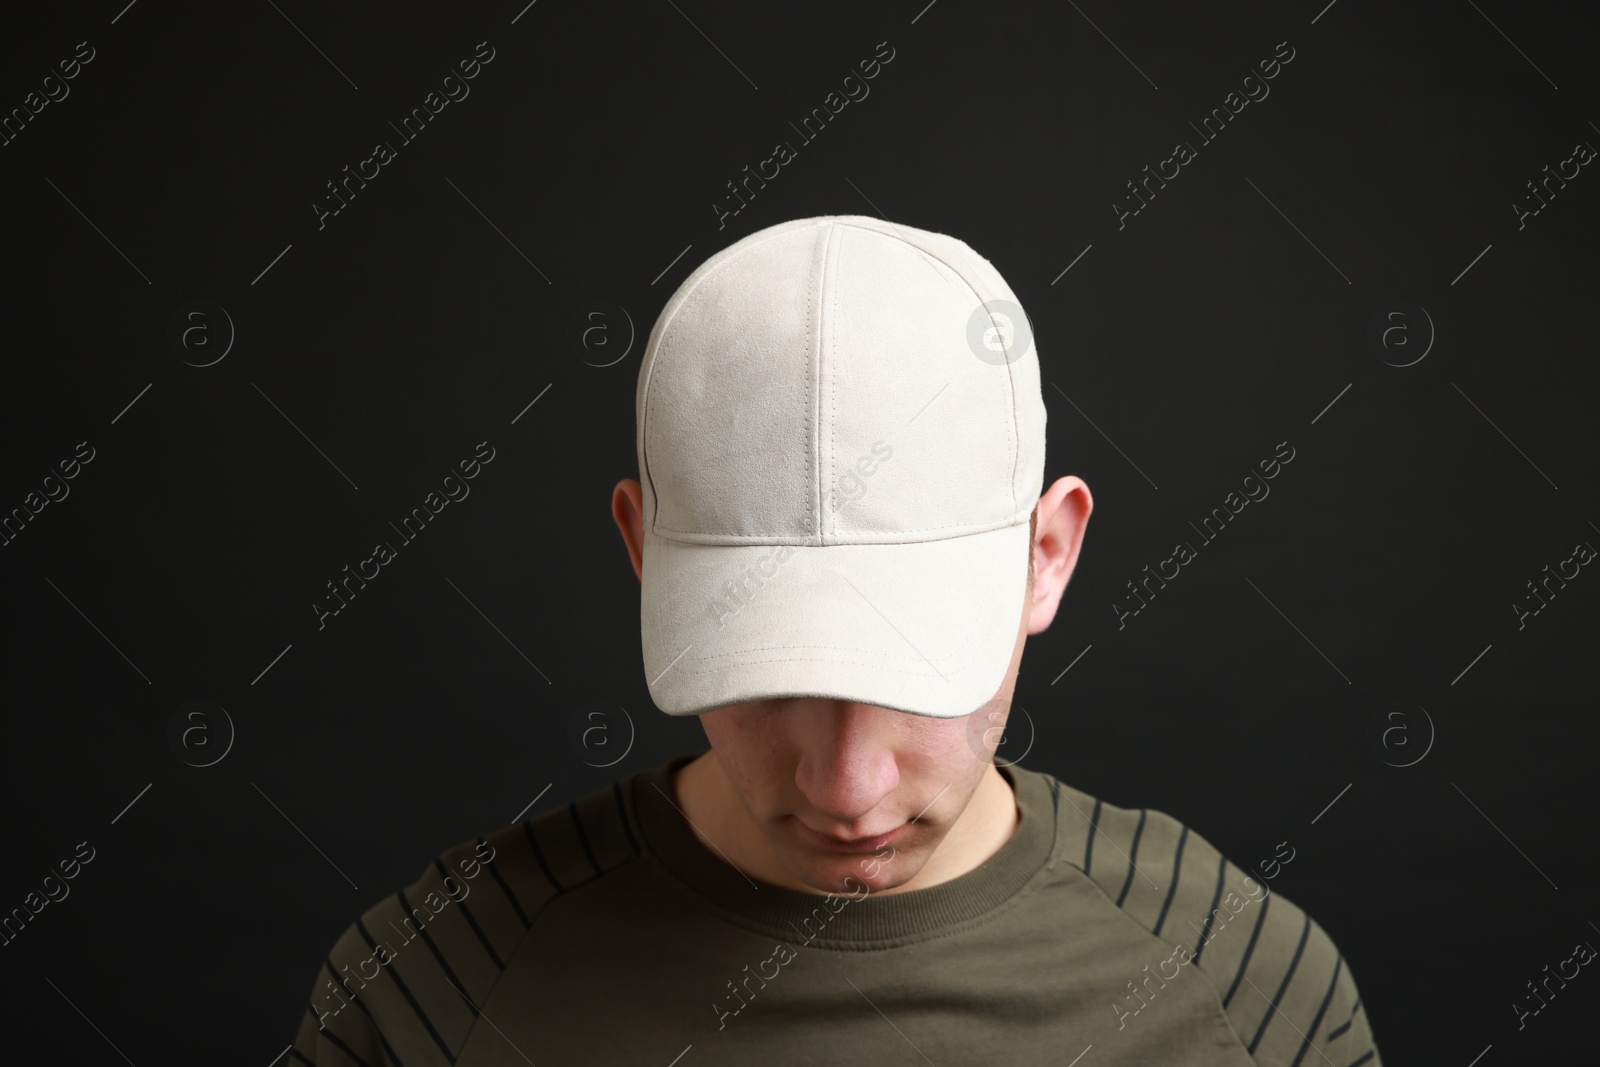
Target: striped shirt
[(604, 932)]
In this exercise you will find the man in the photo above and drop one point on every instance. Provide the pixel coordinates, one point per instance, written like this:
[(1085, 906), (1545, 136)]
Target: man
[(843, 541)]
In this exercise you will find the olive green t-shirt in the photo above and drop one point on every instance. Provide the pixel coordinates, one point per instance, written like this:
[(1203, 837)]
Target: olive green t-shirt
[(604, 932)]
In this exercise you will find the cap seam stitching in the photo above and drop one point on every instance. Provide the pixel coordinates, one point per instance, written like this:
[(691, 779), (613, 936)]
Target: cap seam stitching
[(665, 337), (829, 338), (987, 528), (939, 256)]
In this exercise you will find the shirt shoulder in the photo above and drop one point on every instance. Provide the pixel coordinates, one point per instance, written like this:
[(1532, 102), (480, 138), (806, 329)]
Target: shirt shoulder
[(1286, 989), (403, 982)]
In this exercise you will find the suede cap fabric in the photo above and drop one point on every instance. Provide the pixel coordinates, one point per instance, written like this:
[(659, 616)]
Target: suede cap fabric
[(841, 439)]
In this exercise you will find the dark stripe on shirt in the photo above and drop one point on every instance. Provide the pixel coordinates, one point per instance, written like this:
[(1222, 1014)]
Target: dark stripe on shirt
[(1248, 949), (406, 992), (1172, 890), (522, 915), (538, 854), (1305, 931), (1133, 857), (1363, 1059), (1316, 1022), (388, 1050), (427, 939), (1094, 828), (1342, 1027), (622, 810), (341, 981), (482, 937), (1211, 912), (583, 838)]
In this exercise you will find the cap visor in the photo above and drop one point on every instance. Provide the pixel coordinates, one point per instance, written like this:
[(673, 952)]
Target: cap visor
[(924, 627)]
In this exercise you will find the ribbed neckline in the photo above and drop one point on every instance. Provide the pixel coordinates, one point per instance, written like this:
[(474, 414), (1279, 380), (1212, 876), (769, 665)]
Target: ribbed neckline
[(795, 916)]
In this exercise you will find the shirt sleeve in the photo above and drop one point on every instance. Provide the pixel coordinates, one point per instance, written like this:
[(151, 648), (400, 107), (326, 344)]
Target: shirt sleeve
[(1285, 988), (337, 1029), (1298, 1003), (1346, 1035), (402, 983)]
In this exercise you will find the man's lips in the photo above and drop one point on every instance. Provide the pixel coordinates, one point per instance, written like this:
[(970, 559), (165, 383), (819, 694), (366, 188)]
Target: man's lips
[(856, 845)]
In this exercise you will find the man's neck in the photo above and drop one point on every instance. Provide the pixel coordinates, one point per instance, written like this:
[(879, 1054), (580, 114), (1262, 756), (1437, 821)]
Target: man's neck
[(721, 822)]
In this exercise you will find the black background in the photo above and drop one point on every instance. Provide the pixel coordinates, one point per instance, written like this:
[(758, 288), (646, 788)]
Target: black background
[(1379, 174)]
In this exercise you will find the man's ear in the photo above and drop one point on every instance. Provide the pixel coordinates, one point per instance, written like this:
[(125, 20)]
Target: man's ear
[(1063, 514), (627, 507)]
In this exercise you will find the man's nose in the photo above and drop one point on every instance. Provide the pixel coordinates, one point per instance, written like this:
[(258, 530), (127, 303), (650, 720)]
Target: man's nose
[(848, 762)]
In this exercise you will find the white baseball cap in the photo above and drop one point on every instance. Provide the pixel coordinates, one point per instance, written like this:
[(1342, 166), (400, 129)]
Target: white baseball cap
[(840, 442)]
